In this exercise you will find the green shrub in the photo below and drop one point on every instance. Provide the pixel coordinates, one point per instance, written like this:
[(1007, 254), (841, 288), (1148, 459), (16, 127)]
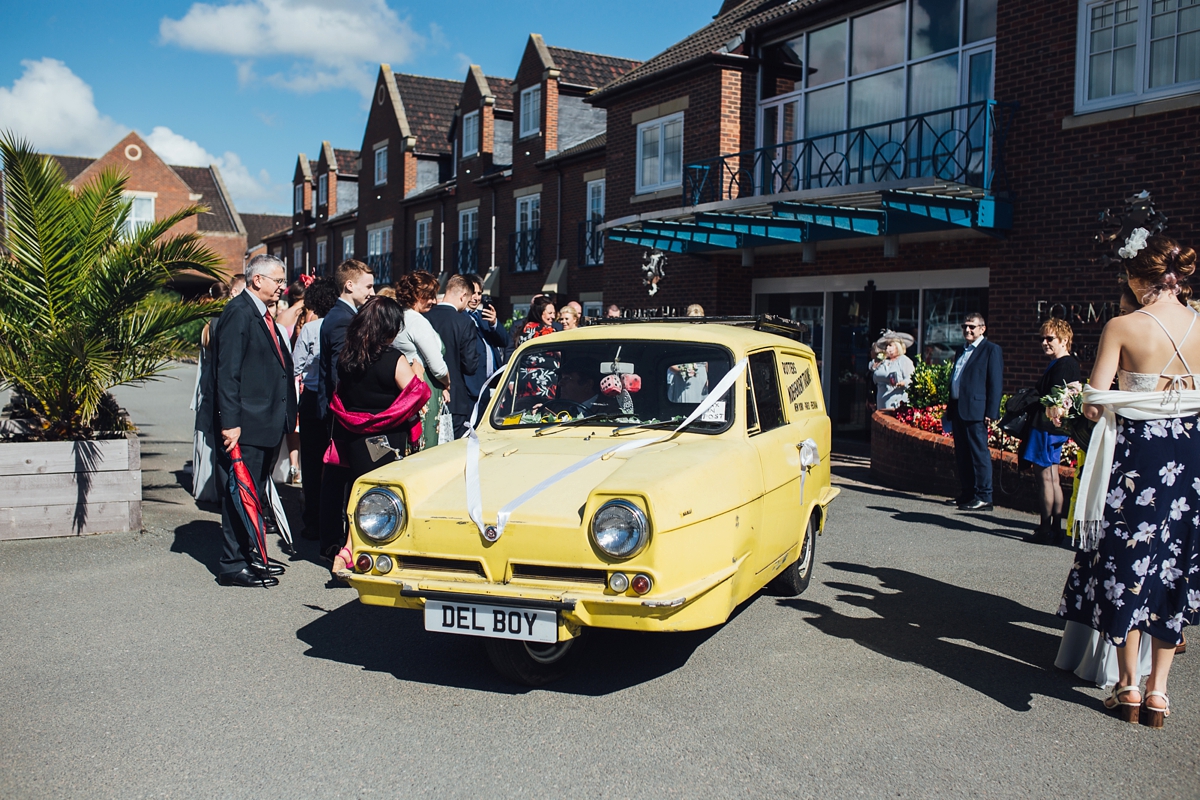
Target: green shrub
[(930, 384)]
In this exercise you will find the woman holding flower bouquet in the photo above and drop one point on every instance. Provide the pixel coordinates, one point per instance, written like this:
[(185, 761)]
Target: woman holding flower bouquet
[(1138, 570), (1044, 446)]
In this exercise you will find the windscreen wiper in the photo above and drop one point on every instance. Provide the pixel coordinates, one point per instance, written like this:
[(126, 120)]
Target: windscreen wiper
[(607, 415), (666, 423)]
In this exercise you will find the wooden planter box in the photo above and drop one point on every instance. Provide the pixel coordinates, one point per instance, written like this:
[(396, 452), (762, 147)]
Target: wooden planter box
[(903, 457), (70, 488)]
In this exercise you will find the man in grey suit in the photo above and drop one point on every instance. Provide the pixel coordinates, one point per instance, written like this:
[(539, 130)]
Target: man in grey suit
[(255, 405), (975, 386)]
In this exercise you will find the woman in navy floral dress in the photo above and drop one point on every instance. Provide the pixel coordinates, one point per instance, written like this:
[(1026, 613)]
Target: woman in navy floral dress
[(1140, 574)]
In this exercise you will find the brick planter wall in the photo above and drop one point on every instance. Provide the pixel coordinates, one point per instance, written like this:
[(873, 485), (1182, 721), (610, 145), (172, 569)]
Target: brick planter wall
[(903, 457)]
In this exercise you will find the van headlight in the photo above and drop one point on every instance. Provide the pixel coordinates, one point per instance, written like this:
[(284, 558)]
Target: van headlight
[(380, 514), (620, 529)]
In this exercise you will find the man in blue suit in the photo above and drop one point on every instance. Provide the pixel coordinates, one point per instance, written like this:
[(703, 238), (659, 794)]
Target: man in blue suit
[(975, 386), (356, 285)]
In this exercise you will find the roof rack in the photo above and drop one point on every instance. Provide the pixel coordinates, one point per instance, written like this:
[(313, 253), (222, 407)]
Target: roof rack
[(769, 323)]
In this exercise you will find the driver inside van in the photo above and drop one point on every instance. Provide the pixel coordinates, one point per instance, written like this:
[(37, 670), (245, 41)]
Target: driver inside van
[(577, 386)]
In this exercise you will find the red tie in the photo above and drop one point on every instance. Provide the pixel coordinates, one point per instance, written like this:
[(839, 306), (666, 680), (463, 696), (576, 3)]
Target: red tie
[(274, 336)]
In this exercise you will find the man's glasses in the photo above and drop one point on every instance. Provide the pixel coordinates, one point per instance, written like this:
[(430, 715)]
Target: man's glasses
[(971, 327), (278, 281)]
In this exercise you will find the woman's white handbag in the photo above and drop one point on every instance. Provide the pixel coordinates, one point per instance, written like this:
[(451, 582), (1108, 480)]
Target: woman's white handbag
[(445, 425)]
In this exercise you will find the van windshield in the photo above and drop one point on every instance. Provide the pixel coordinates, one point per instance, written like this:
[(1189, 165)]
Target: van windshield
[(615, 382)]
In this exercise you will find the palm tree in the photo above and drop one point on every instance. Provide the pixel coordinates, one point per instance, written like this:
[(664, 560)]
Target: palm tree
[(80, 306)]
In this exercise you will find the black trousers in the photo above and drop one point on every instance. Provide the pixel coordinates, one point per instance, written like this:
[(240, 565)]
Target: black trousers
[(335, 493), (314, 439), (460, 424), (972, 456), (240, 542)]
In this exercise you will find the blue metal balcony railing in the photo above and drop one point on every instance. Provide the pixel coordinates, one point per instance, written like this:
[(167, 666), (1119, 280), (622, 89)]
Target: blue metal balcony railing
[(591, 242), (466, 259), (963, 144), (421, 259), (381, 265), (525, 250)]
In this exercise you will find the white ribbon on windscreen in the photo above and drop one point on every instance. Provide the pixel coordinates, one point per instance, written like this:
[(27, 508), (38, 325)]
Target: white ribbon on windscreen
[(475, 497)]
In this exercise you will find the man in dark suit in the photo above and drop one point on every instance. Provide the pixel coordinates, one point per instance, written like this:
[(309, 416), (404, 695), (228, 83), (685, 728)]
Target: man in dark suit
[(255, 406), (458, 337), (491, 340), (356, 285), (975, 385)]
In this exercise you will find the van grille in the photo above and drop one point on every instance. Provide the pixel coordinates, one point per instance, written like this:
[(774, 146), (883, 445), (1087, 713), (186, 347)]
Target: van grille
[(430, 564), (539, 572)]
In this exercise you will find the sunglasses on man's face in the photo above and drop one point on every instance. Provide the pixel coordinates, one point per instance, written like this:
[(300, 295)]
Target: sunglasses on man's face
[(971, 327)]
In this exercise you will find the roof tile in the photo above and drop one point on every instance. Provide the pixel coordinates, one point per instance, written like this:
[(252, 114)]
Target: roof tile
[(502, 88), (710, 38), (590, 69), (204, 183), (347, 161), (429, 105)]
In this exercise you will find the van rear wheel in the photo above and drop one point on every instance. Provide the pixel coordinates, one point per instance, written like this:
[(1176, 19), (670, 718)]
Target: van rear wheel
[(795, 576), (532, 663)]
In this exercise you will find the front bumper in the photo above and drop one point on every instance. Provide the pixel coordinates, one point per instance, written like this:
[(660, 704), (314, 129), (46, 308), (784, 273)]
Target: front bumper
[(702, 604)]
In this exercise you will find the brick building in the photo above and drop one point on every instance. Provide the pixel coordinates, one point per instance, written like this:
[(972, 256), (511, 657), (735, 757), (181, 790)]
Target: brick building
[(862, 166), (156, 190)]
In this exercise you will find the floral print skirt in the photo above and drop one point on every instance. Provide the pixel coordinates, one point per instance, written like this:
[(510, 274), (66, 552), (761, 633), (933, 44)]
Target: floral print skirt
[(1145, 573)]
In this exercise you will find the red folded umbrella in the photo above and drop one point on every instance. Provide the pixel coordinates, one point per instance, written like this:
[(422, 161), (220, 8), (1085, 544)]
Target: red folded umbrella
[(245, 499)]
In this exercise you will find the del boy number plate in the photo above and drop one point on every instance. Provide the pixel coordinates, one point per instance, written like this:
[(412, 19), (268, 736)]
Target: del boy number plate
[(498, 622)]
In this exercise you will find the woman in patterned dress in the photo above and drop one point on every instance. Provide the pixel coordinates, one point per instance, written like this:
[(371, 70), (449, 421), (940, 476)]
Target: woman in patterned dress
[(1138, 572)]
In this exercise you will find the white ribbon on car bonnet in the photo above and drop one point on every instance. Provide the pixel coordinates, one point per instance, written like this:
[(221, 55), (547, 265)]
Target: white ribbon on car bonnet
[(475, 497)]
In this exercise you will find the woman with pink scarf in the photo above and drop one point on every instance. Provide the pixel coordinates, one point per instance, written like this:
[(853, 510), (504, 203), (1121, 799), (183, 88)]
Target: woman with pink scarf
[(377, 404)]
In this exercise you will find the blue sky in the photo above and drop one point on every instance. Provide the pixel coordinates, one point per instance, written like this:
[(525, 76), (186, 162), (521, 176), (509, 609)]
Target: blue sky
[(250, 83)]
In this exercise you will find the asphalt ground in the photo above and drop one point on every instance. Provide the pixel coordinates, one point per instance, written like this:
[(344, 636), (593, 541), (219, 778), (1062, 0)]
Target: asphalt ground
[(919, 663)]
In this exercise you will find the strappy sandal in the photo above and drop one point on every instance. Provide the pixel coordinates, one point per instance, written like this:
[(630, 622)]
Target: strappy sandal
[(1127, 712), (1153, 717), (346, 557)]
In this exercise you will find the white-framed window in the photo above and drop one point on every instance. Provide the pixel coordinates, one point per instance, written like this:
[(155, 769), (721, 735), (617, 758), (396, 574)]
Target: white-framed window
[(594, 248), (298, 198), (347, 246), (141, 211), (531, 111), (379, 241), (528, 234), (424, 236), (468, 224), (297, 258), (381, 165), (1131, 51), (660, 153), (470, 139), (593, 309), (322, 252), (323, 190), (908, 58), (278, 253)]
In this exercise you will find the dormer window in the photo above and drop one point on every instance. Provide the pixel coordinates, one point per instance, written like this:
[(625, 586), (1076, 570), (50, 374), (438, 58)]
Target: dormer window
[(470, 134), (381, 163), (531, 111), (298, 201), (322, 190)]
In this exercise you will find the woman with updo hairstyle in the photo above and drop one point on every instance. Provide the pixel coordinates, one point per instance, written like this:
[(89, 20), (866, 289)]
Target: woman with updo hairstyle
[(1138, 507), (376, 407), (1043, 447), (416, 293)]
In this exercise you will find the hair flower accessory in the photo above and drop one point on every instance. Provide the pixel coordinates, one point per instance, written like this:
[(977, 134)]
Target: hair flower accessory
[(1135, 243)]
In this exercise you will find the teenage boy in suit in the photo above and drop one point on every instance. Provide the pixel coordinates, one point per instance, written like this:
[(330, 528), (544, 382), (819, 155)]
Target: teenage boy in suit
[(356, 285)]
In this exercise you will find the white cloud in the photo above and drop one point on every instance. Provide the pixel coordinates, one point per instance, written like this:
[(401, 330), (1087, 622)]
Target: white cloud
[(55, 109), (332, 45)]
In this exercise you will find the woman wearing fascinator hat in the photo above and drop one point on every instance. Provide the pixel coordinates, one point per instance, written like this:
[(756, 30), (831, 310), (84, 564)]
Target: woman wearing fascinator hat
[(1138, 508), (892, 369)]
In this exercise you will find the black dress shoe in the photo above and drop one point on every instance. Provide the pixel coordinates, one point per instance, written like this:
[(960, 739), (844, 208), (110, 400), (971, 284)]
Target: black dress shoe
[(270, 569), (976, 505), (246, 578), (956, 501)]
